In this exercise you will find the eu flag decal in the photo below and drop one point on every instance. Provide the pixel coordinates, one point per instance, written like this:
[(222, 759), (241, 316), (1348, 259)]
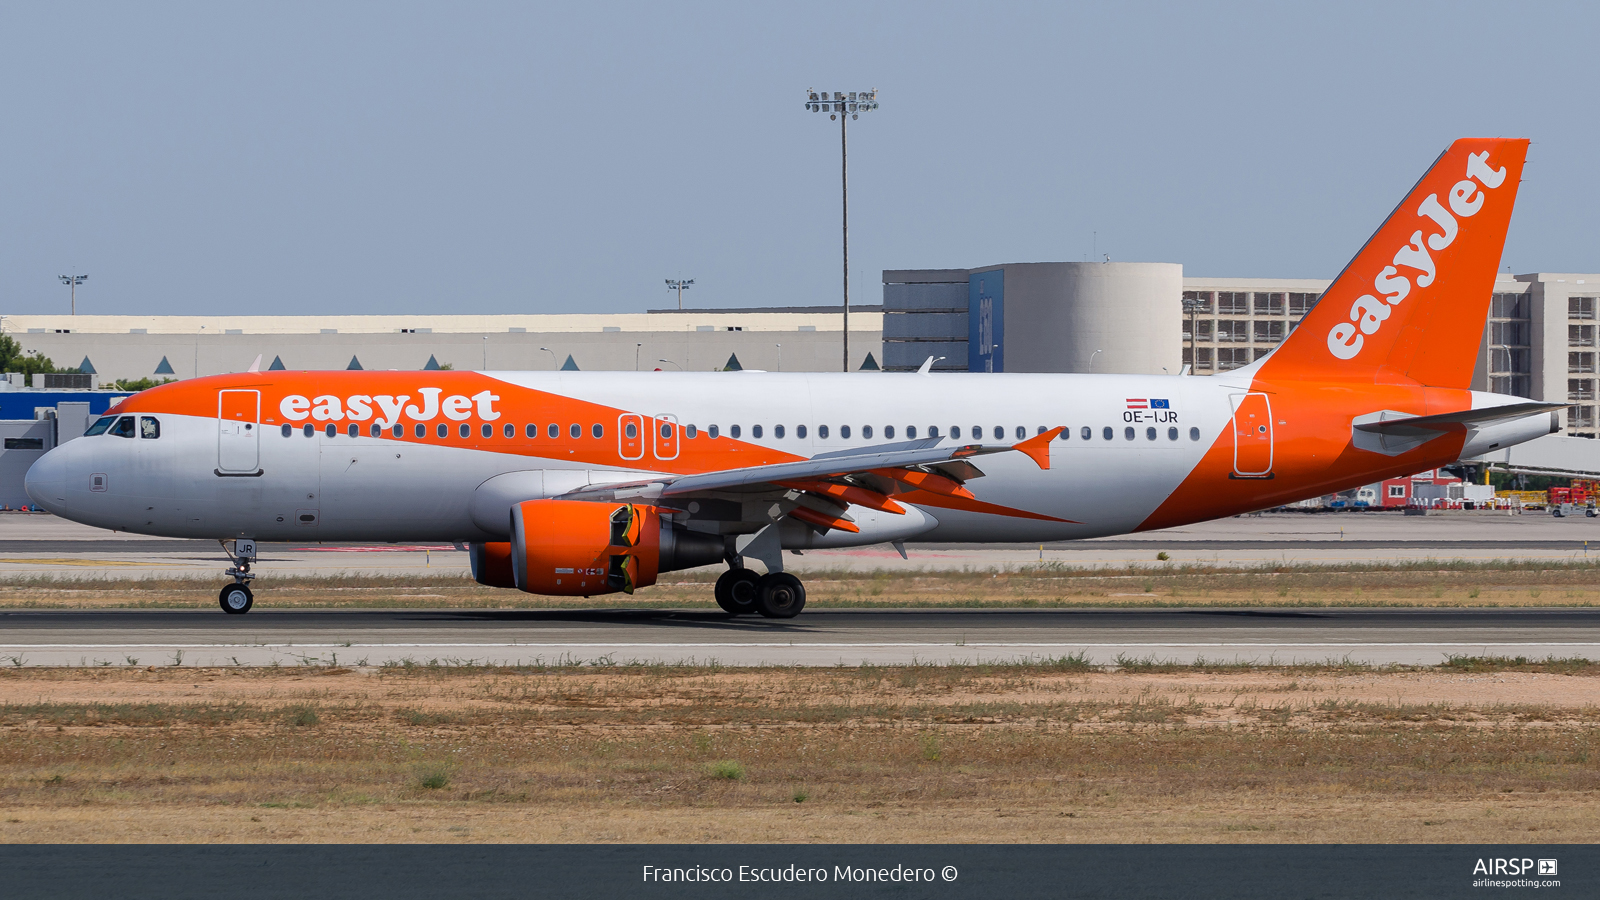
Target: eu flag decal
[(1158, 404)]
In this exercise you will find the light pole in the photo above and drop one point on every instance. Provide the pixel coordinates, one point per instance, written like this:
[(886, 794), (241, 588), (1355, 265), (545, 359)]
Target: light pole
[(844, 107), (780, 357), (1091, 359), (670, 363), (680, 287), (1192, 306), (72, 282), (486, 353), (555, 363), (636, 348)]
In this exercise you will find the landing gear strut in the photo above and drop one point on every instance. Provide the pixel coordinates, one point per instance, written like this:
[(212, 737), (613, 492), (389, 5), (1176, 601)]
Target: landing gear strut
[(236, 599), (776, 595)]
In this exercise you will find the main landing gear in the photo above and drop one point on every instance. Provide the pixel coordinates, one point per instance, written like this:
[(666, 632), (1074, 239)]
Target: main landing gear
[(236, 599), (776, 595)]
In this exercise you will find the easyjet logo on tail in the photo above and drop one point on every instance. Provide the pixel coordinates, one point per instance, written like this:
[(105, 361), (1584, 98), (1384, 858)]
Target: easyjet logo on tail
[(1391, 286), (359, 407)]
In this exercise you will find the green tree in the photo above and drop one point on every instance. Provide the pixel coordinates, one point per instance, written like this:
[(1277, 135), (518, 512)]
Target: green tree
[(133, 385), (13, 359)]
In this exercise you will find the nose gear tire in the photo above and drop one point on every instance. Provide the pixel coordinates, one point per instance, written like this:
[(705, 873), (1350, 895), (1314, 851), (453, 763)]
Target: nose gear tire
[(736, 591), (236, 599), (780, 595)]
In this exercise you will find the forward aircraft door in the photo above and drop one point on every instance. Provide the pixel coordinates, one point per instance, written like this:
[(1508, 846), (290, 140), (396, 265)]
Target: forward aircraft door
[(1252, 436), (238, 433)]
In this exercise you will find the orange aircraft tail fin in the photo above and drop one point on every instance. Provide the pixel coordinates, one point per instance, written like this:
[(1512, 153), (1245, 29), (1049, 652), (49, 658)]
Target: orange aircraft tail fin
[(1411, 306)]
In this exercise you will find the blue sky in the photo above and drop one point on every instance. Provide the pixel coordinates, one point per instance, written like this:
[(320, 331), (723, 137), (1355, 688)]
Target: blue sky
[(475, 157)]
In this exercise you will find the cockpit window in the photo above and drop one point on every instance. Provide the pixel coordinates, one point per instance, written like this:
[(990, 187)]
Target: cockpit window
[(100, 425), (149, 427), (124, 427)]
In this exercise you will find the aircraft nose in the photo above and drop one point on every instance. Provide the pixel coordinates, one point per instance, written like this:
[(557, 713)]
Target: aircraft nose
[(46, 481)]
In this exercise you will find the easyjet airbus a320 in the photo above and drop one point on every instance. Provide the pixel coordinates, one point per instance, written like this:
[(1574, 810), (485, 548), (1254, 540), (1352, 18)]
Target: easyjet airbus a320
[(586, 483)]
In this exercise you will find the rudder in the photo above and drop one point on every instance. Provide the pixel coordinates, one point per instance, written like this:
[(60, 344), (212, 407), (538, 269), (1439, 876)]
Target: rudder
[(1411, 306)]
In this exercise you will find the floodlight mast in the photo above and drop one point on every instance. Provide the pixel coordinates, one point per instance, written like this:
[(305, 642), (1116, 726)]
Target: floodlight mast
[(72, 282), (844, 106), (679, 286)]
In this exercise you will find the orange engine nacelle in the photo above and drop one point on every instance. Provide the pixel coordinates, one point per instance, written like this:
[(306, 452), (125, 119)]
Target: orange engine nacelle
[(578, 548)]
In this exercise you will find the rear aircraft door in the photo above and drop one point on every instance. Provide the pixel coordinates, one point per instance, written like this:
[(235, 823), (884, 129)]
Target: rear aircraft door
[(630, 436), (1252, 436), (666, 437), (238, 432)]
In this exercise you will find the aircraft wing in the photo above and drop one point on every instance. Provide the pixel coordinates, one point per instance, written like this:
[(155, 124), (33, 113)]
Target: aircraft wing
[(820, 490)]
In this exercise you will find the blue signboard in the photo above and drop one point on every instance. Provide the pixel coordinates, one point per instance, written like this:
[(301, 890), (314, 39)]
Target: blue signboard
[(986, 321)]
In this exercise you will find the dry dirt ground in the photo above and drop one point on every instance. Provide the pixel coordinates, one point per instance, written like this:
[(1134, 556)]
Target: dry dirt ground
[(1410, 584), (1484, 752)]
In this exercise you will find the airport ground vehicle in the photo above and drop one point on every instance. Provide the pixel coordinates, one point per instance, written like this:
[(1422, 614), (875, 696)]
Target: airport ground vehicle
[(587, 483)]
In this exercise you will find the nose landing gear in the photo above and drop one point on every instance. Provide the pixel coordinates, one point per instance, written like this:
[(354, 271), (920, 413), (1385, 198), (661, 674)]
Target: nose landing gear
[(236, 599)]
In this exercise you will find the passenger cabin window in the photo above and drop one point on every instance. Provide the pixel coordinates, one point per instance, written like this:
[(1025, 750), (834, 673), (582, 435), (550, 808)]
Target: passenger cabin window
[(690, 431), (420, 431), (911, 432), (1172, 434), (800, 432), (734, 431), (510, 430), (531, 430), (888, 432), (575, 430), (552, 430), (376, 430), (822, 432), (999, 433), (1023, 432), (308, 429), (1149, 434), (777, 431), (488, 430), (714, 431), (464, 430), (100, 425), (1194, 434), (1106, 433), (398, 430), (1066, 433), (124, 427), (933, 431), (597, 430), (866, 432), (330, 429), (354, 430), (287, 429), (755, 432), (441, 429), (631, 430), (844, 431), (1127, 433), (977, 432), (1086, 433)]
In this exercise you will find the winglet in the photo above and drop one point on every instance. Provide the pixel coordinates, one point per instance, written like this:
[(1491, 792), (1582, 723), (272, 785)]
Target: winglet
[(255, 366), (1038, 446)]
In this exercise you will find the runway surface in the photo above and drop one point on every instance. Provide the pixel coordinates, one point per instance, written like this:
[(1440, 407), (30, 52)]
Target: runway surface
[(817, 638)]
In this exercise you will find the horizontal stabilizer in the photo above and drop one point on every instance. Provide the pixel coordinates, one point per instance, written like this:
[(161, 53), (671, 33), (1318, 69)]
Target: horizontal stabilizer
[(1458, 421)]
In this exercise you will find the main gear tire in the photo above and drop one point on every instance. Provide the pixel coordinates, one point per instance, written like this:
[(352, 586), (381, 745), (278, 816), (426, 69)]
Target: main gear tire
[(736, 591), (780, 595)]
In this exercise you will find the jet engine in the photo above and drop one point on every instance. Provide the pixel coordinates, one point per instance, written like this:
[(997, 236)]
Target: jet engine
[(580, 548)]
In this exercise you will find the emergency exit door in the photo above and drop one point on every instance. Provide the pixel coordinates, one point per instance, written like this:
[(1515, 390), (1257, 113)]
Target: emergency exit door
[(238, 433), (1252, 436)]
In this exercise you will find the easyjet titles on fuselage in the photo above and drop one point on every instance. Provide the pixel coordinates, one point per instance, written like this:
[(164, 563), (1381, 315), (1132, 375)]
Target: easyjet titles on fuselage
[(359, 407)]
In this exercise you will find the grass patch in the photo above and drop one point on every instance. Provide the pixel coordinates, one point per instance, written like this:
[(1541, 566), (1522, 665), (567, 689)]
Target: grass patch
[(727, 769)]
